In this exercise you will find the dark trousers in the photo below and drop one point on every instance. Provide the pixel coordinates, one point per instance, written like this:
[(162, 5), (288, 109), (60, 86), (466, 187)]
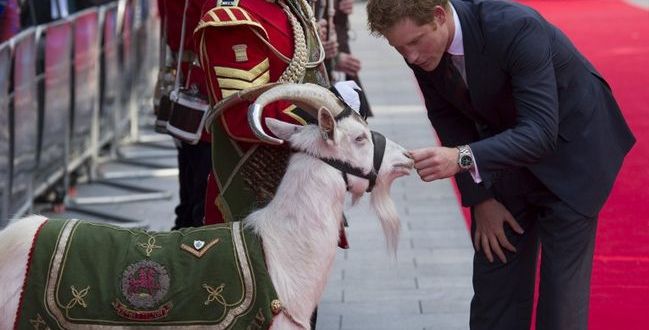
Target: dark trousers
[(504, 293), (194, 164)]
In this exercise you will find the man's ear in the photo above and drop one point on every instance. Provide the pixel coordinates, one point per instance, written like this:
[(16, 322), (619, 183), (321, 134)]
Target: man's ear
[(440, 15), (327, 124), (282, 129)]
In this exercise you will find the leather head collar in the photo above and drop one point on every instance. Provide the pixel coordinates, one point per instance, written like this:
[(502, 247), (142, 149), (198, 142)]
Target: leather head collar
[(345, 168)]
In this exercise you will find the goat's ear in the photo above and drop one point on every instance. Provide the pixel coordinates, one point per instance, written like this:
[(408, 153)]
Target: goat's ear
[(327, 124), (281, 129)]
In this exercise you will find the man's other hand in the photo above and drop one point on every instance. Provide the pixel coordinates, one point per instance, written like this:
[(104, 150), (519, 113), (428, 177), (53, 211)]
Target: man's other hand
[(490, 217)]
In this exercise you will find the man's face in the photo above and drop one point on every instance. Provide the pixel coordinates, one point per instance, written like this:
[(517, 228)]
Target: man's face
[(421, 45)]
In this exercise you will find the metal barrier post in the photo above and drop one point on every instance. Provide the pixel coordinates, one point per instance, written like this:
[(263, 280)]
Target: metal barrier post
[(5, 78), (149, 56), (125, 22), (109, 122), (85, 109), (109, 74), (23, 123), (124, 28), (63, 103), (56, 39)]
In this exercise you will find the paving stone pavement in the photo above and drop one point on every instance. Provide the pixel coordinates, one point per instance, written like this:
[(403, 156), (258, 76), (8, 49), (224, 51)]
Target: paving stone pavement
[(427, 285)]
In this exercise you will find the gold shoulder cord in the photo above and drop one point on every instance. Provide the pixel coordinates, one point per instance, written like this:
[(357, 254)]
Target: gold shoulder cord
[(308, 19)]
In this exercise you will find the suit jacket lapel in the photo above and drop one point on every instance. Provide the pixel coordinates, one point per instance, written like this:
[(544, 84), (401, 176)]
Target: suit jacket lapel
[(449, 88)]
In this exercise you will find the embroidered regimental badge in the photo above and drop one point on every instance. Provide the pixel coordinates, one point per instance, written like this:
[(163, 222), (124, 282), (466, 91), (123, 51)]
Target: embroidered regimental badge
[(240, 52), (199, 248), (144, 285), (198, 244)]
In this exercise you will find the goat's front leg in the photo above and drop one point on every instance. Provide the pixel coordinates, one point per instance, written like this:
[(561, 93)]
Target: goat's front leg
[(282, 321)]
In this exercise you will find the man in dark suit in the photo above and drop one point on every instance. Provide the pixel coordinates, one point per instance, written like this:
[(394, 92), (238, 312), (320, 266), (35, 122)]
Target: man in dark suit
[(534, 137)]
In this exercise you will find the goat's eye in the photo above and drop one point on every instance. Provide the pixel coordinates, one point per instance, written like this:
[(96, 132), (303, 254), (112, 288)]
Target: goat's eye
[(361, 138)]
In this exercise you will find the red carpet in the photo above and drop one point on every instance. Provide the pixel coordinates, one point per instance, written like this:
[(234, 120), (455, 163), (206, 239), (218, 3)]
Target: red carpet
[(614, 35)]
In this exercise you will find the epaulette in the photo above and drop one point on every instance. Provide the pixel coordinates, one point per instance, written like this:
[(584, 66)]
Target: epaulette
[(228, 16)]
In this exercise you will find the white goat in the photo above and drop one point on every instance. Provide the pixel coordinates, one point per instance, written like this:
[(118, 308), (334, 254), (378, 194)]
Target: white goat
[(299, 242)]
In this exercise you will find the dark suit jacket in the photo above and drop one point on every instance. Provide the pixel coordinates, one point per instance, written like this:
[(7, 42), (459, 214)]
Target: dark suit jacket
[(536, 103)]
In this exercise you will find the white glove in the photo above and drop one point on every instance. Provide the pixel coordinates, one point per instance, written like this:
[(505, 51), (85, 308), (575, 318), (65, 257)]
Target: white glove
[(348, 91)]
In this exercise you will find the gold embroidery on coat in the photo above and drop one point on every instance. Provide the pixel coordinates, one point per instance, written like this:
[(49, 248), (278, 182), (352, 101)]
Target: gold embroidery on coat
[(290, 111), (37, 322), (236, 84), (258, 321), (248, 75), (214, 17), (149, 246), (77, 298), (214, 294), (244, 13), (230, 14), (243, 270), (232, 80), (199, 253)]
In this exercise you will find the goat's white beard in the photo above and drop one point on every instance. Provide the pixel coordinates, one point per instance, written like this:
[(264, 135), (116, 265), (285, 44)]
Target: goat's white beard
[(383, 206)]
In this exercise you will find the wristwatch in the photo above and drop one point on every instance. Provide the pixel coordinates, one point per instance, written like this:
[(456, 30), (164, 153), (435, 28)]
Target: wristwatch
[(465, 158)]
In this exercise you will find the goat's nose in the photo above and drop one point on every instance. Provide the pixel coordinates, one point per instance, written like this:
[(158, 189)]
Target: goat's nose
[(407, 154)]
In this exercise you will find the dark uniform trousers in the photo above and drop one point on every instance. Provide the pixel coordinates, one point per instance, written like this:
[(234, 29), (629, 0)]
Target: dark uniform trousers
[(504, 293), (194, 164)]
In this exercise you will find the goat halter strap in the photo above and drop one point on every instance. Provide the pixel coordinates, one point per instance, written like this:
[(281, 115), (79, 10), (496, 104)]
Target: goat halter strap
[(379, 150)]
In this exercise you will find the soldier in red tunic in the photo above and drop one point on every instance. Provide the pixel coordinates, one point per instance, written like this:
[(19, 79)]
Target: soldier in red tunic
[(193, 159), (243, 44)]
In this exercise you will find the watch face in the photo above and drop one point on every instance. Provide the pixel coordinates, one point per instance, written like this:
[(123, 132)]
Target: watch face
[(466, 161)]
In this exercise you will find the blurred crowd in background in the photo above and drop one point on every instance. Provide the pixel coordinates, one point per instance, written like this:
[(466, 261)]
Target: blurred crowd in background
[(16, 15)]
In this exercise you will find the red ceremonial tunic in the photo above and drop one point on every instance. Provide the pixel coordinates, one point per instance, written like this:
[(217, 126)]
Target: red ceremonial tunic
[(235, 58)]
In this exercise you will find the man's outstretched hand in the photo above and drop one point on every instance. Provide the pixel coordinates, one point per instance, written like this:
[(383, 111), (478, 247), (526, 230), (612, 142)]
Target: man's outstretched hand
[(433, 163)]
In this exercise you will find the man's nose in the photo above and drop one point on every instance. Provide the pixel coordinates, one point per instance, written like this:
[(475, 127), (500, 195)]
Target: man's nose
[(411, 57)]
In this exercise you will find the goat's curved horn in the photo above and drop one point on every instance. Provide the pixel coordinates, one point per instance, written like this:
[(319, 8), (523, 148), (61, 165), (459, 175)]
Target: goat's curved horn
[(309, 97), (248, 95)]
